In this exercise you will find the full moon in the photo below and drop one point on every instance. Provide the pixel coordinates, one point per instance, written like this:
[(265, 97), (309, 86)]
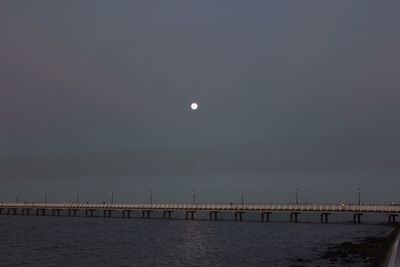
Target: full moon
[(194, 106)]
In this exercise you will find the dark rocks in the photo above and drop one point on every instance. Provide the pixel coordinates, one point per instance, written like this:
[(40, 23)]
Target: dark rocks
[(333, 259), (368, 250), (302, 260)]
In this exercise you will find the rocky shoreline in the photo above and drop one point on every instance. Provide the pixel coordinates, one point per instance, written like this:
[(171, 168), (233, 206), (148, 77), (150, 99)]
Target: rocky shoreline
[(369, 251)]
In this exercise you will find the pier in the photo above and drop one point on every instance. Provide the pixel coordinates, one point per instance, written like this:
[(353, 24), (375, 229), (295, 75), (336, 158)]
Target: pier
[(265, 211)]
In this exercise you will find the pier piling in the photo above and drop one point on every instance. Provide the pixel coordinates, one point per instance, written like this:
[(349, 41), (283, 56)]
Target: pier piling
[(324, 217), (293, 217), (265, 216), (392, 218), (238, 215), (357, 218), (165, 212), (146, 214), (191, 214), (214, 215)]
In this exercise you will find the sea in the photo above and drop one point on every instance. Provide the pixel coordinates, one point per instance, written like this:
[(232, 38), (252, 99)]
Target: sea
[(97, 241)]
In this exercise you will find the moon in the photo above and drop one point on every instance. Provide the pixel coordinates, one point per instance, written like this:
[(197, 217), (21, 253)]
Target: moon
[(194, 106)]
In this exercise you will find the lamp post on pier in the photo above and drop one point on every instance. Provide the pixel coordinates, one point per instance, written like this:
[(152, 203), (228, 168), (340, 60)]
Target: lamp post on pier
[(359, 196), (241, 193), (45, 197), (297, 196), (77, 197), (16, 197), (194, 196), (112, 197), (151, 197)]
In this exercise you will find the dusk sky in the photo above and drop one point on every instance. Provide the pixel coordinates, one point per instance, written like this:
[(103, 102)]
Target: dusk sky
[(95, 96)]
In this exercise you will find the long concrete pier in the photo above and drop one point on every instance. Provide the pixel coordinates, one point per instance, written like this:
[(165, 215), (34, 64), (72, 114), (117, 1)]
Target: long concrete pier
[(264, 210)]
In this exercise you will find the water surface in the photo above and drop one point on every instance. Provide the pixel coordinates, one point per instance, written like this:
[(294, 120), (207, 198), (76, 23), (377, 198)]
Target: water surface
[(80, 241)]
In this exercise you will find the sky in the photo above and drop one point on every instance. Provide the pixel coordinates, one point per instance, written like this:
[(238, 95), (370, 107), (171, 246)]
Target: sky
[(95, 97)]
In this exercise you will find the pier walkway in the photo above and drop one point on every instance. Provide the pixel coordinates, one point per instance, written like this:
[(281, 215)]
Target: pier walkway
[(265, 210)]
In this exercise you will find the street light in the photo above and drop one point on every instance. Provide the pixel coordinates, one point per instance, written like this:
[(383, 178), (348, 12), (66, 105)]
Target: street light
[(77, 197), (17, 197), (241, 192), (151, 196), (112, 197), (194, 196), (297, 196), (359, 196), (45, 197)]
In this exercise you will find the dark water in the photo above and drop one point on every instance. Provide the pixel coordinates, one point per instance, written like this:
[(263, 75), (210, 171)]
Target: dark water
[(79, 241)]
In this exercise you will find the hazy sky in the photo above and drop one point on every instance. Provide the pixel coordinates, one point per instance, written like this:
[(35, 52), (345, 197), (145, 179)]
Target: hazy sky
[(95, 96)]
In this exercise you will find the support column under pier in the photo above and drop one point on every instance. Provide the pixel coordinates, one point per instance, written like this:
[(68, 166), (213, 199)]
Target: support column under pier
[(128, 213), (324, 217), (392, 218), (214, 215), (11, 211), (54, 211), (191, 212), (165, 212), (40, 210), (107, 213), (89, 211), (265, 216), (357, 218), (146, 214), (73, 212), (293, 217), (238, 215)]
